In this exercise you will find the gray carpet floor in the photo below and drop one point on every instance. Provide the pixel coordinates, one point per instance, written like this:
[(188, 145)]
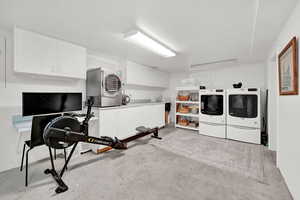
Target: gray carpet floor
[(205, 169), (243, 158)]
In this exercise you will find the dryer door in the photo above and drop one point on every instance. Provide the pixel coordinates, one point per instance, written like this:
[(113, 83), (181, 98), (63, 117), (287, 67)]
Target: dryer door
[(212, 108), (244, 106), (244, 109)]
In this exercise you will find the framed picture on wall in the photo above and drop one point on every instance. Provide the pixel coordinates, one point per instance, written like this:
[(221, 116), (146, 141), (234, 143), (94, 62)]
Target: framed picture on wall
[(288, 69)]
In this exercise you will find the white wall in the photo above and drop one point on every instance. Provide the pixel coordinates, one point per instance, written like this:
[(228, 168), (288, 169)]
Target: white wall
[(288, 112), (251, 75)]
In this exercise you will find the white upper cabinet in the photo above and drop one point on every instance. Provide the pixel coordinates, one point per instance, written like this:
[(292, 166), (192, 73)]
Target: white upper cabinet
[(141, 75), (72, 60), (34, 53), (38, 54)]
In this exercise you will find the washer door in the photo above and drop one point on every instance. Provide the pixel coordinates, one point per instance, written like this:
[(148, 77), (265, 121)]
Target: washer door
[(243, 108), (112, 85), (212, 108), (212, 104)]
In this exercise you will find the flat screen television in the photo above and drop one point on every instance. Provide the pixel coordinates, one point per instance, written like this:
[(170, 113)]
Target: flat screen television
[(47, 103)]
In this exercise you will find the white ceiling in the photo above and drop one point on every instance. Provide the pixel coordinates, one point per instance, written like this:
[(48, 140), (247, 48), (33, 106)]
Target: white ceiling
[(198, 30)]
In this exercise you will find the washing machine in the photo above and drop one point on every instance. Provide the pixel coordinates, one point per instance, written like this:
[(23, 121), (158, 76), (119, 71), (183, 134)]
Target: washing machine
[(212, 115), (243, 115)]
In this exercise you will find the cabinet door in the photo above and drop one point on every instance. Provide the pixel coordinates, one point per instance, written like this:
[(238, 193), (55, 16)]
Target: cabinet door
[(159, 78), (123, 122), (129, 120), (137, 74), (149, 116), (145, 76), (160, 112), (34, 53), (71, 60), (155, 115), (108, 122), (162, 79)]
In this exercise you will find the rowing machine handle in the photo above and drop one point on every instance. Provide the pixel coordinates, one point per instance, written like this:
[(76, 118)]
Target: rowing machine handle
[(88, 116)]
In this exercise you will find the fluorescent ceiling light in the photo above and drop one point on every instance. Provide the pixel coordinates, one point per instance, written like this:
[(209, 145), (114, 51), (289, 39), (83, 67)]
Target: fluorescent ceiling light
[(214, 62), (147, 42)]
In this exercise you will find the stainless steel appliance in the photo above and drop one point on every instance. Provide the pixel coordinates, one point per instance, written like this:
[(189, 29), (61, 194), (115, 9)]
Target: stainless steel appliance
[(105, 86)]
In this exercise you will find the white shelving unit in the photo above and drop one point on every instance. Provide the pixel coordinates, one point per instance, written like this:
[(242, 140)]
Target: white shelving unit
[(190, 90)]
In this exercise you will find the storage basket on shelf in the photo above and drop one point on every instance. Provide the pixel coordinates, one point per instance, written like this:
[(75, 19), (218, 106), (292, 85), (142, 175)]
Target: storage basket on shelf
[(193, 124), (183, 98), (194, 97), (183, 122), (194, 109), (184, 109)]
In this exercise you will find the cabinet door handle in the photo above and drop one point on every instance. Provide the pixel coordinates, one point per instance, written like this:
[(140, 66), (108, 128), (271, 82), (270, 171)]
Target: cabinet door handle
[(211, 123), (243, 127)]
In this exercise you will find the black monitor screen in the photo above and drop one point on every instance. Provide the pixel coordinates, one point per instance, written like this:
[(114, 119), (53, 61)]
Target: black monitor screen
[(46, 103)]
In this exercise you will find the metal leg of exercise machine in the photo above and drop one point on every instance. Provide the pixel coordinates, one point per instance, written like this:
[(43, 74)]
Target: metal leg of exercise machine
[(62, 187)]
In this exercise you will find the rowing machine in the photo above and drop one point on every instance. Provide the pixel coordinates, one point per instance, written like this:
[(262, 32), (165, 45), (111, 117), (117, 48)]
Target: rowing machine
[(141, 132), (65, 131)]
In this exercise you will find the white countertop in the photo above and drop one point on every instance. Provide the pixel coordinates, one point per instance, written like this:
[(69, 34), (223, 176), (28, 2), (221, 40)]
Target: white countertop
[(26, 126), (132, 105)]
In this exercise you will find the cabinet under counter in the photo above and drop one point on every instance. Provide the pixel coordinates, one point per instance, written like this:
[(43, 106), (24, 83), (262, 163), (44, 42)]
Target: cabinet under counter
[(121, 121)]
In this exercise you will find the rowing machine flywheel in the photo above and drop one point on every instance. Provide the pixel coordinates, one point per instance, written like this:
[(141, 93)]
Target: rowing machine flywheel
[(60, 126)]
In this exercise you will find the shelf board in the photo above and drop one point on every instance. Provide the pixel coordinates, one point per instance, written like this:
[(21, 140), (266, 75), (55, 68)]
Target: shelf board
[(191, 88), (187, 127), (187, 114), (188, 102)]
